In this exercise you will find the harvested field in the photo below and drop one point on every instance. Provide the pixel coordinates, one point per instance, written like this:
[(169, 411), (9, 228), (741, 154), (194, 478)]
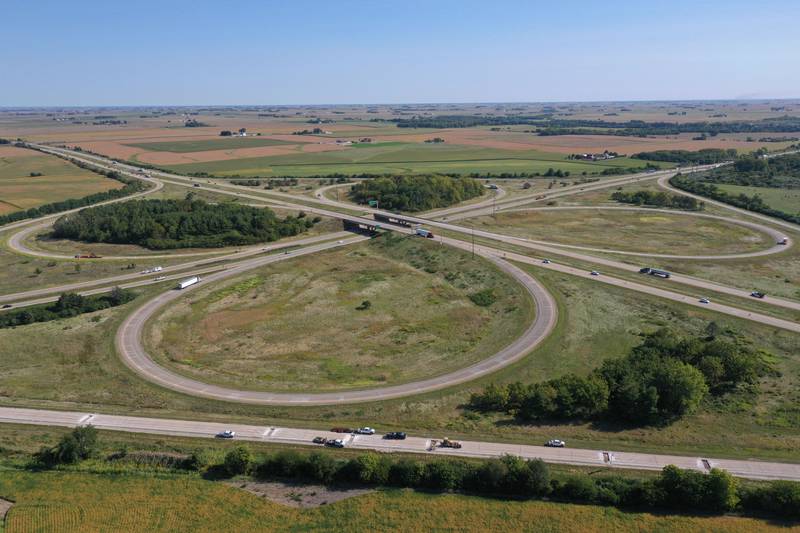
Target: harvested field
[(59, 179)]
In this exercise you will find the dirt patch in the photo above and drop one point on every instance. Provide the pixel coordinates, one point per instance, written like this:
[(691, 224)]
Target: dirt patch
[(173, 158), (5, 506), (13, 151), (297, 495)]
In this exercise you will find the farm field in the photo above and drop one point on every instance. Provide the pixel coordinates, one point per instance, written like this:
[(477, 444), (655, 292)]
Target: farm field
[(302, 325), (786, 200), (595, 322), (220, 143), (631, 231), (59, 180), (402, 158), (78, 502)]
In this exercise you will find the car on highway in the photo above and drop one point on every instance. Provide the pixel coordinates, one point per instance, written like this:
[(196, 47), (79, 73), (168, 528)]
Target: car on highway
[(341, 430), (319, 440), (227, 434), (335, 443), (6, 306), (555, 443), (594, 273), (395, 435), (159, 278), (546, 261), (366, 431), (757, 294), (704, 301)]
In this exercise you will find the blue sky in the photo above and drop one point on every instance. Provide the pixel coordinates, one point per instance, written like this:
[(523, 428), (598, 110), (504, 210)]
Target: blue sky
[(339, 51)]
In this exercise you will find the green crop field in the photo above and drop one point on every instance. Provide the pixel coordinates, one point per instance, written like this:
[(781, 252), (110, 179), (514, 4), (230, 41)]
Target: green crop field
[(786, 200), (632, 231), (80, 502), (220, 143), (59, 180), (398, 157), (255, 331)]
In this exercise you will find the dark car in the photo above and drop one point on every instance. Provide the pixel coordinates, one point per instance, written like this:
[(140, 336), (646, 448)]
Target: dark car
[(6, 306), (319, 440), (395, 435), (342, 430), (757, 294)]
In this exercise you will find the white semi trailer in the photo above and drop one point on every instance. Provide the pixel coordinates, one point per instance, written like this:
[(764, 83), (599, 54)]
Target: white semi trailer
[(188, 282)]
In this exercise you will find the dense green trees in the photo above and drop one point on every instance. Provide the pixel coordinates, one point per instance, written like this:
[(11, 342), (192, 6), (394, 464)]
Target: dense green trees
[(416, 193), (658, 199), (705, 156), (662, 379), (68, 304), (77, 445), (164, 224)]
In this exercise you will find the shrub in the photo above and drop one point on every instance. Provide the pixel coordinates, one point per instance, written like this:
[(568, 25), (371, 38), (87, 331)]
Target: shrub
[(238, 461)]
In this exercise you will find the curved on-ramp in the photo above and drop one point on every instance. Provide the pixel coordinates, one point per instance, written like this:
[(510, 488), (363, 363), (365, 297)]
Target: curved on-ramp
[(133, 354)]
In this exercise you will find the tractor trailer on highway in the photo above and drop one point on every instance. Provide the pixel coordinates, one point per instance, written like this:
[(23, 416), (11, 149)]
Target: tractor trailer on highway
[(188, 282)]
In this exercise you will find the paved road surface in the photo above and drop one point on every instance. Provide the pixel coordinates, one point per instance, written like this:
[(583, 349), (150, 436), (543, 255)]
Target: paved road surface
[(422, 445)]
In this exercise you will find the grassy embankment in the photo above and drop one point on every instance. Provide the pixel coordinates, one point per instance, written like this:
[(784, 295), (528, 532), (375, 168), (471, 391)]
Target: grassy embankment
[(302, 325), (66, 502)]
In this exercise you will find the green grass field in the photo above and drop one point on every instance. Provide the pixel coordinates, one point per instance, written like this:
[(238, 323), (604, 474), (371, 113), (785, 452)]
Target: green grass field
[(82, 502), (632, 231), (596, 322), (220, 143), (397, 157), (297, 325), (60, 180), (786, 200)]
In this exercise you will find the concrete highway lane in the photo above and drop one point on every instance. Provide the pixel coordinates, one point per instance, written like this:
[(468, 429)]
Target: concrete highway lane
[(764, 470)]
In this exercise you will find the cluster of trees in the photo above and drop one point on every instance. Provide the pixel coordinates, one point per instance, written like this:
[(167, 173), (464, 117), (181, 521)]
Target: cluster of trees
[(752, 203), (247, 183), (76, 446), (194, 123), (131, 186), (705, 156), (465, 121), (658, 199), (188, 223), (662, 379), (416, 193), (68, 304)]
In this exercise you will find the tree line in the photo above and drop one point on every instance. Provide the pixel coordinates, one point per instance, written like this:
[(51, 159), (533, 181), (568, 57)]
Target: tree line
[(169, 224), (68, 305), (416, 193), (510, 476), (752, 203), (659, 381), (658, 199), (706, 156)]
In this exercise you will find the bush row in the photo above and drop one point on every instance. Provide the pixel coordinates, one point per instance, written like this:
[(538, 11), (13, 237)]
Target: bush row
[(658, 199), (69, 304)]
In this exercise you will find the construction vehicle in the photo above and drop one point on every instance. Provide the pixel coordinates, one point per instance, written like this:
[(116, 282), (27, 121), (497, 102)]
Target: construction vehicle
[(447, 443)]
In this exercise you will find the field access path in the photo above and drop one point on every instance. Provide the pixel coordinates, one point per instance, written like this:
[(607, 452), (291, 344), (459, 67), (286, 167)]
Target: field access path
[(752, 469)]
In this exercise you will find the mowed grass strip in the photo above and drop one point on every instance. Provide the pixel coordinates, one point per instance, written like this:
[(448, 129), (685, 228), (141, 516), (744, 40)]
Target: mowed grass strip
[(388, 311), (624, 230), (79, 502), (59, 180), (202, 145)]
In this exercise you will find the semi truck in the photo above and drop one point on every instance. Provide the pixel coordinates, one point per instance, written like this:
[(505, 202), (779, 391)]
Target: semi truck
[(188, 282), (654, 272), (422, 232)]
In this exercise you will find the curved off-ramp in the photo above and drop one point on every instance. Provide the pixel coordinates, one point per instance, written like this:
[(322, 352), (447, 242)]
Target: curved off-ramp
[(774, 234), (129, 346)]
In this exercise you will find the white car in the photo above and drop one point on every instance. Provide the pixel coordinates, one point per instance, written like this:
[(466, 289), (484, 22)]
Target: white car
[(594, 273), (227, 434), (365, 431), (705, 301), (546, 261), (555, 443)]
